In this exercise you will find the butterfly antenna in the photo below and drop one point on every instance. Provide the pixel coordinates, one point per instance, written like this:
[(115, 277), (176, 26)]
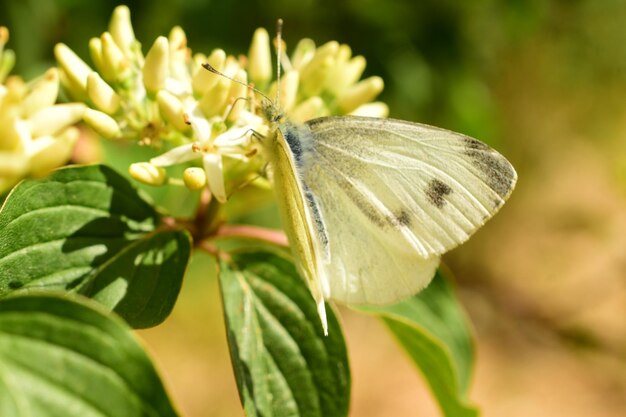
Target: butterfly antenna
[(279, 52), (210, 68)]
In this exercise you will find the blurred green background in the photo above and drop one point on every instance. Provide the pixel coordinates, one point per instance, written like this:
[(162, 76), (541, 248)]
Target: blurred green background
[(544, 283)]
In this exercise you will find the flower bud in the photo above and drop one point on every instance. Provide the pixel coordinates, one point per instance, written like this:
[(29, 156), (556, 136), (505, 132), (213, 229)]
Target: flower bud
[(74, 67), (52, 152), (260, 58), (348, 74), (238, 94), (194, 178), (51, 120), (102, 95), (7, 62), (313, 80), (43, 94), (121, 29), (214, 100), (147, 173), (309, 109), (179, 54), (156, 66), (204, 80), (360, 93), (102, 123), (95, 51), (172, 110), (289, 89), (375, 109), (12, 165), (113, 59), (304, 52), (4, 37)]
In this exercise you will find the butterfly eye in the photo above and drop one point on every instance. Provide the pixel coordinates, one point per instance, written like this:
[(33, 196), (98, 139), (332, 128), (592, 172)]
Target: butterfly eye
[(278, 117)]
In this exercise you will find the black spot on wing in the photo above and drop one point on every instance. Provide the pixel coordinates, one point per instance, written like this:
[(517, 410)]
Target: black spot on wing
[(471, 143), (499, 173), (436, 192), (401, 218)]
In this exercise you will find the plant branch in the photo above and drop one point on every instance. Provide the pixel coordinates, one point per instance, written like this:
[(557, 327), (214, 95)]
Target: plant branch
[(228, 231)]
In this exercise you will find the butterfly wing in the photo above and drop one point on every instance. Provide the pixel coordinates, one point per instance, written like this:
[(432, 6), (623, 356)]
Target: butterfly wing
[(388, 197)]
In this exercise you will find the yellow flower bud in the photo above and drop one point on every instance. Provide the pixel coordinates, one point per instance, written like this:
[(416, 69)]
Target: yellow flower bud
[(95, 51), (304, 52), (360, 93), (346, 75), (214, 100), (43, 94), (74, 67), (343, 54), (309, 109), (15, 133), (289, 89), (289, 85), (172, 110), (121, 29), (4, 37), (156, 66), (51, 120), (375, 109), (147, 173), (12, 165), (231, 66), (179, 54), (113, 59), (204, 80), (260, 58), (194, 178), (102, 123), (237, 95), (102, 95), (313, 77), (7, 62), (53, 152)]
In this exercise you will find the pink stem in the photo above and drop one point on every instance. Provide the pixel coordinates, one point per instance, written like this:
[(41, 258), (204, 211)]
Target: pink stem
[(277, 237)]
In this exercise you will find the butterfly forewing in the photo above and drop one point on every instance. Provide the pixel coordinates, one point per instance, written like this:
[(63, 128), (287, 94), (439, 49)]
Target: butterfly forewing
[(428, 187)]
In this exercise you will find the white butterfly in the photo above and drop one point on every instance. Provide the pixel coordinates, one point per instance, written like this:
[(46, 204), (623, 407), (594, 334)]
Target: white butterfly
[(369, 205)]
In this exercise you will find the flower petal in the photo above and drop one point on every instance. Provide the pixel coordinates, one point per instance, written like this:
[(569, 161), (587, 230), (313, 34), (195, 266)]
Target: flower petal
[(175, 156), (215, 175)]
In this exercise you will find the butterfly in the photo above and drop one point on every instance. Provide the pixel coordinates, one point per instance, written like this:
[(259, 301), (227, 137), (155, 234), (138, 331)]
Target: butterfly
[(369, 205)]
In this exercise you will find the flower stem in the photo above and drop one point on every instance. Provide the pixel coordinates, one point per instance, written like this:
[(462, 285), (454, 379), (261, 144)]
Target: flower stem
[(229, 231)]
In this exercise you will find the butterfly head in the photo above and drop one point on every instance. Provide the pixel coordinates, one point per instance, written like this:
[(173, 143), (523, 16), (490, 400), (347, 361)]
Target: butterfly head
[(272, 112)]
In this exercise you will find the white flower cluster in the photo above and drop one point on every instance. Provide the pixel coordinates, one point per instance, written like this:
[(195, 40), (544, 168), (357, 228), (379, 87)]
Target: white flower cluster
[(168, 99), (36, 135)]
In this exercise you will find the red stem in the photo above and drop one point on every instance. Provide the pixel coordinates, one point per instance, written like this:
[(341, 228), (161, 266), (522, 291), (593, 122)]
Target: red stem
[(277, 237)]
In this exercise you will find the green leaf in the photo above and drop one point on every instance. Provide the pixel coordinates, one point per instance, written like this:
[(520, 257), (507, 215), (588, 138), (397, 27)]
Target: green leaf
[(433, 330), (283, 363), (141, 282), (87, 229), (63, 358)]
